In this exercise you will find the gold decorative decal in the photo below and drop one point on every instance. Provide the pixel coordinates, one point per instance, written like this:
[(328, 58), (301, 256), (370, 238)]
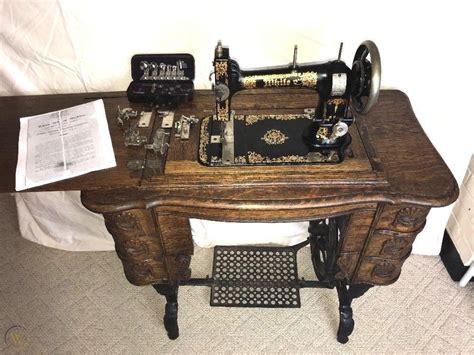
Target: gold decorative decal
[(223, 111), (255, 158), (222, 108), (274, 137), (251, 119), (204, 139), (308, 79), (337, 101), (240, 160), (249, 82), (221, 69), (322, 133)]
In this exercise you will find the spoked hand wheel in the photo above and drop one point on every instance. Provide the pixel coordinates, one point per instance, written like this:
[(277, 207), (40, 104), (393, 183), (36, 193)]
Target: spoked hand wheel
[(366, 76), (323, 242)]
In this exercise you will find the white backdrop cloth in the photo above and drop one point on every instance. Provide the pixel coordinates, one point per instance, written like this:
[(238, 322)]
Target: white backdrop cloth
[(63, 46), (58, 220)]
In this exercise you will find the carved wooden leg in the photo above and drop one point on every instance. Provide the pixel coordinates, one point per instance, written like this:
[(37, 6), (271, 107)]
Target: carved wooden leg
[(346, 323), (346, 294), (170, 291)]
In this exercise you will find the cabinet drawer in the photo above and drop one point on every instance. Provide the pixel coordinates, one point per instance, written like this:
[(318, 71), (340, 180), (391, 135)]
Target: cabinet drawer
[(145, 272), (379, 271), (390, 244), (128, 224), (403, 218), (139, 248)]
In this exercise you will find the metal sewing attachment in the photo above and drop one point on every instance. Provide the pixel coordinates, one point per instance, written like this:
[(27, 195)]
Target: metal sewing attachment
[(132, 136), (160, 142), (124, 114), (146, 70), (162, 71), (159, 148), (183, 126), (167, 119), (154, 68)]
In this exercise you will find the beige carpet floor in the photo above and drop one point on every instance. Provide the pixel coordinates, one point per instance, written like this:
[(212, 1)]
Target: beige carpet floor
[(59, 302)]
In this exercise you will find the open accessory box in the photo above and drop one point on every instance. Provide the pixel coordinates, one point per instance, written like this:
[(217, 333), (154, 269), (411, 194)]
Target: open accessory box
[(162, 79)]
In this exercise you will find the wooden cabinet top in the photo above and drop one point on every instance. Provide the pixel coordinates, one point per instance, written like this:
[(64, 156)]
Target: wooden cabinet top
[(392, 160)]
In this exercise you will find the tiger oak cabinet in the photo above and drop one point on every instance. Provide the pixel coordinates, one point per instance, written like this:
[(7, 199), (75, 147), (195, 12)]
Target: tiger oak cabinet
[(380, 195)]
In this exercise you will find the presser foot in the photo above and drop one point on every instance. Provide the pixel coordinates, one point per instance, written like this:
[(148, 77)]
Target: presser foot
[(337, 149)]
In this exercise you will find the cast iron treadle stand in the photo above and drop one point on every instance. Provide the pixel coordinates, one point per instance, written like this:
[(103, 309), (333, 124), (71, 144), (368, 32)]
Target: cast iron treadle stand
[(324, 241), (267, 277), (170, 291)]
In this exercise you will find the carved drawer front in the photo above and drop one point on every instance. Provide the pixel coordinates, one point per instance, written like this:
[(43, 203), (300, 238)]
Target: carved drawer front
[(403, 218), (139, 248), (356, 231), (145, 272), (346, 264), (379, 271), (128, 224), (390, 244), (175, 233), (137, 245)]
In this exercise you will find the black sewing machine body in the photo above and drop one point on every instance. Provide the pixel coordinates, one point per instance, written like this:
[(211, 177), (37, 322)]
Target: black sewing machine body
[(317, 136)]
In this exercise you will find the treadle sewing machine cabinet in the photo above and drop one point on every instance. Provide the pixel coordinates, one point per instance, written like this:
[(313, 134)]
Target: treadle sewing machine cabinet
[(366, 185)]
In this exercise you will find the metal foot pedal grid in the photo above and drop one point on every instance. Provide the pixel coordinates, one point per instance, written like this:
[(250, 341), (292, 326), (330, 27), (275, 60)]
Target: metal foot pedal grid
[(246, 276)]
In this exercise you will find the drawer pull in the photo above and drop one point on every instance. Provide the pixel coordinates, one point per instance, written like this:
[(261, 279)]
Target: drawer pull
[(384, 270)]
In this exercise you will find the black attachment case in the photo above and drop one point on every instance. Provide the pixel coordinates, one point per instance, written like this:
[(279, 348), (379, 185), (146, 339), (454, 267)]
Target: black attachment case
[(162, 89)]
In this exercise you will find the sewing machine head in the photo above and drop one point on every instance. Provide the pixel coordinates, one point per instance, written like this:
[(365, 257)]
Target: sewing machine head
[(325, 129)]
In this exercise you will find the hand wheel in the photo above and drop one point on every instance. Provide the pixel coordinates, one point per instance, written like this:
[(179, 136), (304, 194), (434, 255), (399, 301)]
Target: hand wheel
[(366, 76)]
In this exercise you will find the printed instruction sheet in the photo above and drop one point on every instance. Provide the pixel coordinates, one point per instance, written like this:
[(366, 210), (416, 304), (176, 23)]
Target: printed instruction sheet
[(63, 144)]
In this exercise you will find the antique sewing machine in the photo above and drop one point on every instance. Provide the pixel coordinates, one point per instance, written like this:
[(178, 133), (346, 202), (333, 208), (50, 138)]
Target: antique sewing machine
[(364, 214), (319, 135)]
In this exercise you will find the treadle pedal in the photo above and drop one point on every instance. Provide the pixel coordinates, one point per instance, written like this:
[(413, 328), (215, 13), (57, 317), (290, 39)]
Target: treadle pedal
[(246, 276)]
